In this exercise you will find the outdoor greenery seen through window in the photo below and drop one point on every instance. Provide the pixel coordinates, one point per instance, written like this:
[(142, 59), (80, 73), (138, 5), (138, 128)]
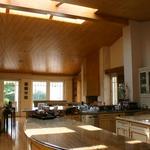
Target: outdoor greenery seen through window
[(39, 90), (11, 91)]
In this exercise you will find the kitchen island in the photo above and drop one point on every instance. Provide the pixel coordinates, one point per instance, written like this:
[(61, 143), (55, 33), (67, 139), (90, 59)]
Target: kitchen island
[(61, 133), (134, 127)]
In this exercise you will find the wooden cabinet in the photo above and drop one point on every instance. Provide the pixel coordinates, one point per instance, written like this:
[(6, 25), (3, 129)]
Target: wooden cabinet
[(92, 74), (76, 89), (133, 130), (122, 128), (140, 132), (108, 121), (144, 81), (90, 120)]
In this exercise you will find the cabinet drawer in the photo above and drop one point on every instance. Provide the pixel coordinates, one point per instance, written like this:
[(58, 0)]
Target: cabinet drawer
[(139, 128), (120, 123)]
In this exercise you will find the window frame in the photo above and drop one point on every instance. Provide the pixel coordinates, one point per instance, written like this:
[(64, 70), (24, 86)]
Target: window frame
[(63, 89), (46, 90)]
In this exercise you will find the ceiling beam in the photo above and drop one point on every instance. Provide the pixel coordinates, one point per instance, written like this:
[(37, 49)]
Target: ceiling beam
[(57, 5), (112, 18)]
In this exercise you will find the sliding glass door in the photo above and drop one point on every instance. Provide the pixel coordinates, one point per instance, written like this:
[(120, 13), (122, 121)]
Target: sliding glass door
[(11, 93)]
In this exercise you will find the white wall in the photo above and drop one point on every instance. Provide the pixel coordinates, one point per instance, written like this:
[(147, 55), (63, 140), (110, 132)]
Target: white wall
[(116, 53), (145, 40), (109, 57), (136, 39)]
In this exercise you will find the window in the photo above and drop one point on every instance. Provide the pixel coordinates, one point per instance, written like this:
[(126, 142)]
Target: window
[(56, 90), (39, 90), (114, 90), (11, 92)]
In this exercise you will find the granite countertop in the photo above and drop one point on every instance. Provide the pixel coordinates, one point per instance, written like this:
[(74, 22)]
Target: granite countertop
[(143, 119), (61, 133), (111, 111)]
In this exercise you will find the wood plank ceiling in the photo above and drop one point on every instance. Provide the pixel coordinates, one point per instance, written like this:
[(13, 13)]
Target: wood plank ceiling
[(30, 45)]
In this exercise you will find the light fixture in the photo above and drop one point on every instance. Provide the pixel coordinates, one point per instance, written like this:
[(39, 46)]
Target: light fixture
[(69, 20), (2, 10), (29, 14)]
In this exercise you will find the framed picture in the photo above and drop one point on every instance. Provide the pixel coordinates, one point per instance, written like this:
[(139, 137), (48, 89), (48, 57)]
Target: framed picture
[(26, 83), (25, 97), (25, 88)]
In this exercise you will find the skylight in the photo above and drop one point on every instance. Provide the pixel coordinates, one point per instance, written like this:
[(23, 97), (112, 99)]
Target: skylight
[(69, 20), (29, 14), (76, 9), (2, 10), (48, 9)]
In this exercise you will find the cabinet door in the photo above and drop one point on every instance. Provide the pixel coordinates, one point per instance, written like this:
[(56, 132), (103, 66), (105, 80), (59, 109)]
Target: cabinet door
[(122, 128), (91, 120), (143, 83), (139, 132)]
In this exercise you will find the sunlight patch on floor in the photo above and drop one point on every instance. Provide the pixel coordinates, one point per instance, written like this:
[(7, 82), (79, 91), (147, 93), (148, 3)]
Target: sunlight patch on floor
[(41, 131), (133, 142), (95, 147), (90, 128)]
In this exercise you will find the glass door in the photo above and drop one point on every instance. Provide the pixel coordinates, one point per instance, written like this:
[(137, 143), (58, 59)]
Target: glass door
[(11, 93), (143, 83)]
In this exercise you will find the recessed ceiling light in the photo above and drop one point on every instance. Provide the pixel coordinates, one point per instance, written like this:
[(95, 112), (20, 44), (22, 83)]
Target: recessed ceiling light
[(29, 14)]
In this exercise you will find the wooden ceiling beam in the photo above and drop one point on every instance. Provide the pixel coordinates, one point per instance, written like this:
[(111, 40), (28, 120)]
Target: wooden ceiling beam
[(57, 5), (111, 18)]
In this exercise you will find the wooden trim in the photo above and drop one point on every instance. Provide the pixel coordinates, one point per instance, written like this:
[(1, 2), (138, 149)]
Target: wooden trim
[(112, 18), (117, 70)]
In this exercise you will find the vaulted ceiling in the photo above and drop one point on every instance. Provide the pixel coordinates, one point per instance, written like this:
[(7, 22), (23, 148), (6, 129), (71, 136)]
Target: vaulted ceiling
[(31, 45)]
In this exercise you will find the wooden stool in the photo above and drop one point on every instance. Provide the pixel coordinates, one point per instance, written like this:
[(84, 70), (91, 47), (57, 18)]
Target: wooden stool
[(6, 113)]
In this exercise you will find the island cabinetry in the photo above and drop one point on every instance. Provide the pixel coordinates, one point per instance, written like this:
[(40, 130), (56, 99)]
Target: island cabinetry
[(140, 132), (108, 121), (134, 128), (90, 119), (122, 128)]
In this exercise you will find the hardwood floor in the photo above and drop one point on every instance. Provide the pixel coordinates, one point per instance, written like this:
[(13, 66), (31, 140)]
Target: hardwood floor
[(16, 139)]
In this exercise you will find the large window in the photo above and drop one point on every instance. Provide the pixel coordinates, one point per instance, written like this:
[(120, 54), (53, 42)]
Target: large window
[(56, 90), (11, 92), (39, 90), (114, 90)]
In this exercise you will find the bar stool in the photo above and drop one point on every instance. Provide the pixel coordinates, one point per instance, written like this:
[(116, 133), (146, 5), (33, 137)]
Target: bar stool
[(9, 112)]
